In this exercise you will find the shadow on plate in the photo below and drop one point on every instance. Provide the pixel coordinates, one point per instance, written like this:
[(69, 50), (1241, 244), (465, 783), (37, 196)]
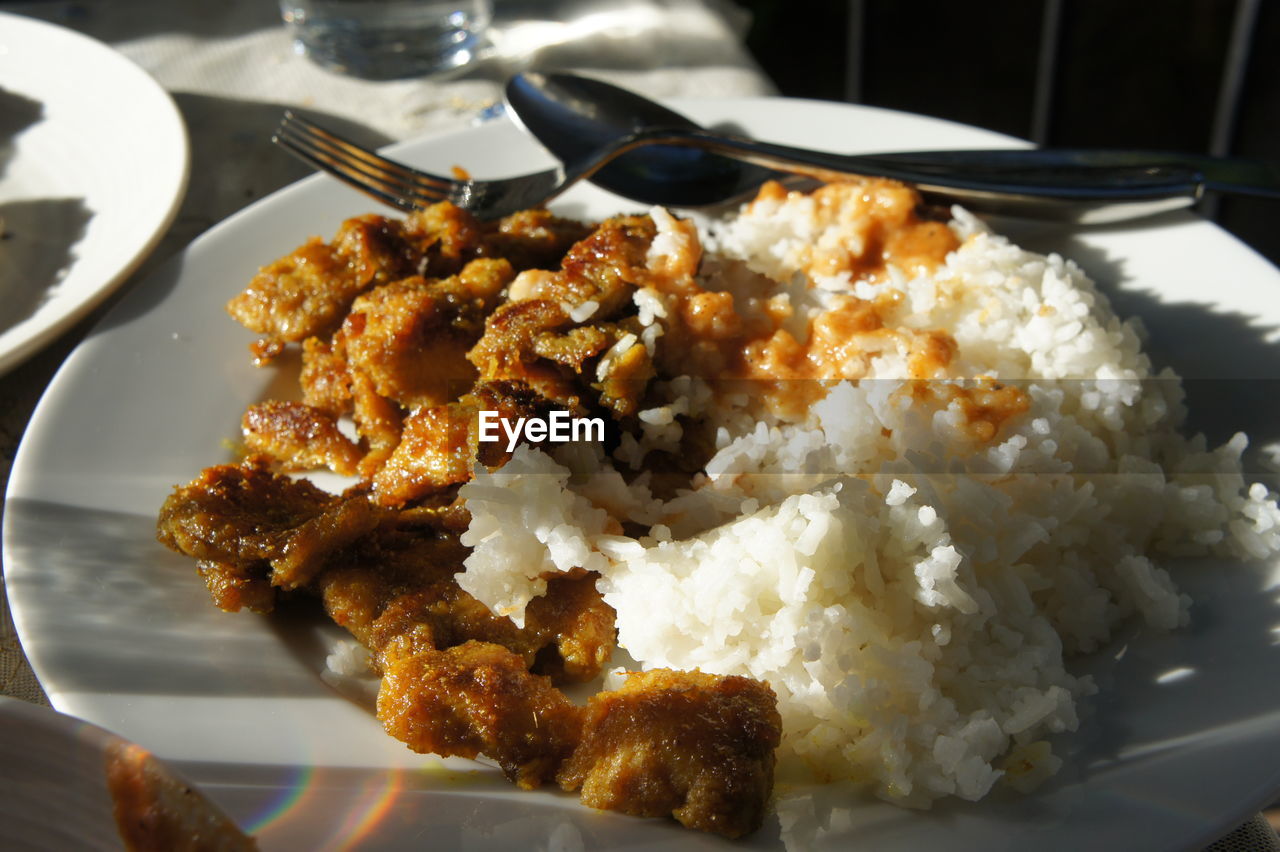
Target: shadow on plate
[(17, 113), (36, 249), (143, 622), (1229, 362)]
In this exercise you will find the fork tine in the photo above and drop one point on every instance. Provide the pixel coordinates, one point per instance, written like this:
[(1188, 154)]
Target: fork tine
[(394, 193), (363, 160), (359, 182), (362, 172), (357, 167), (292, 121), (410, 189), (384, 179)]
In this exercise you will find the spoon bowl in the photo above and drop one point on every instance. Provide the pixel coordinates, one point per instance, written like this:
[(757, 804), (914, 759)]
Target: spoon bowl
[(576, 117)]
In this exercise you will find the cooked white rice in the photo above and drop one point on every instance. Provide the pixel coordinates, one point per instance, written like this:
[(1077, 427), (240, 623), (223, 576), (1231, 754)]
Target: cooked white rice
[(909, 593)]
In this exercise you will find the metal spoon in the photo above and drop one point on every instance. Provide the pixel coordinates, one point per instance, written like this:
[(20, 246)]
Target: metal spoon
[(577, 117)]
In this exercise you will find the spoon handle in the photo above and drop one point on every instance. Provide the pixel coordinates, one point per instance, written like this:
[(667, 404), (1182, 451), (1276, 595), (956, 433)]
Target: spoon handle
[(1084, 186)]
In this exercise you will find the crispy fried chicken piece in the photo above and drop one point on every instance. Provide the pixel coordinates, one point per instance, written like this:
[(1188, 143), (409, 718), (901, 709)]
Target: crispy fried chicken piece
[(249, 525), (385, 575), (411, 337), (240, 514), (325, 379), (440, 445), (533, 239), (300, 295), (698, 747), (623, 373), (534, 341), (607, 266), (312, 544), (568, 632), (379, 421), (506, 350), (572, 619), (395, 591), (299, 437), (309, 291), (361, 584), (479, 698), (533, 338), (235, 587)]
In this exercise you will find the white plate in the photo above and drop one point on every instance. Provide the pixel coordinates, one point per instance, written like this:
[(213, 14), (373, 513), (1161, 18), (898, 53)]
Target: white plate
[(53, 790), (121, 632), (93, 164)]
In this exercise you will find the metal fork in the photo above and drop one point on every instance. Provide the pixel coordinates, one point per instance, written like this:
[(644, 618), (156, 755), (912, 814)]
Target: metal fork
[(411, 189)]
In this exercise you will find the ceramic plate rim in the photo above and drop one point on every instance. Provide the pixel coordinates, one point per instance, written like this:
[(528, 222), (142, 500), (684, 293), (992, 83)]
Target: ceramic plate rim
[(155, 111)]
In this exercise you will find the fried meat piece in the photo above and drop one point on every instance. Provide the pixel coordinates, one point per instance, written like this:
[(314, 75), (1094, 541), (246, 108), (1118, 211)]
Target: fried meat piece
[(698, 747), (325, 379), (385, 575), (302, 294), (313, 544), (534, 339), (361, 584), (506, 350), (396, 593), (240, 514), (623, 373), (440, 445), (411, 337), (568, 633), (235, 587), (572, 619), (299, 437), (379, 421), (533, 239), (248, 525), (309, 291), (479, 698), (606, 267)]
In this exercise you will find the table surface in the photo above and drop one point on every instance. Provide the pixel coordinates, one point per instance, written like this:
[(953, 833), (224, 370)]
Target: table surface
[(231, 69)]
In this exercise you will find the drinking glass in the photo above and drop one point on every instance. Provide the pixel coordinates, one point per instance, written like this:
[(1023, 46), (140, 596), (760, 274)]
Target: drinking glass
[(387, 39)]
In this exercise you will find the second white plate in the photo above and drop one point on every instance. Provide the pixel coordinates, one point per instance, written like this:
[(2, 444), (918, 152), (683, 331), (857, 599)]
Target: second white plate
[(93, 166)]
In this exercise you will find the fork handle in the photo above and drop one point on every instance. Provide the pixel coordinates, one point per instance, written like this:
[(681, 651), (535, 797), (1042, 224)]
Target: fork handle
[(1076, 185)]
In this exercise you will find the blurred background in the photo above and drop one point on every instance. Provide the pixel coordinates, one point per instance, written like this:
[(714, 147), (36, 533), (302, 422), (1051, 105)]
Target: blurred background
[(1187, 75)]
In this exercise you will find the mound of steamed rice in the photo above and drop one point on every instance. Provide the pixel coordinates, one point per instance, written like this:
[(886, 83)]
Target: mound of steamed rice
[(910, 594)]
